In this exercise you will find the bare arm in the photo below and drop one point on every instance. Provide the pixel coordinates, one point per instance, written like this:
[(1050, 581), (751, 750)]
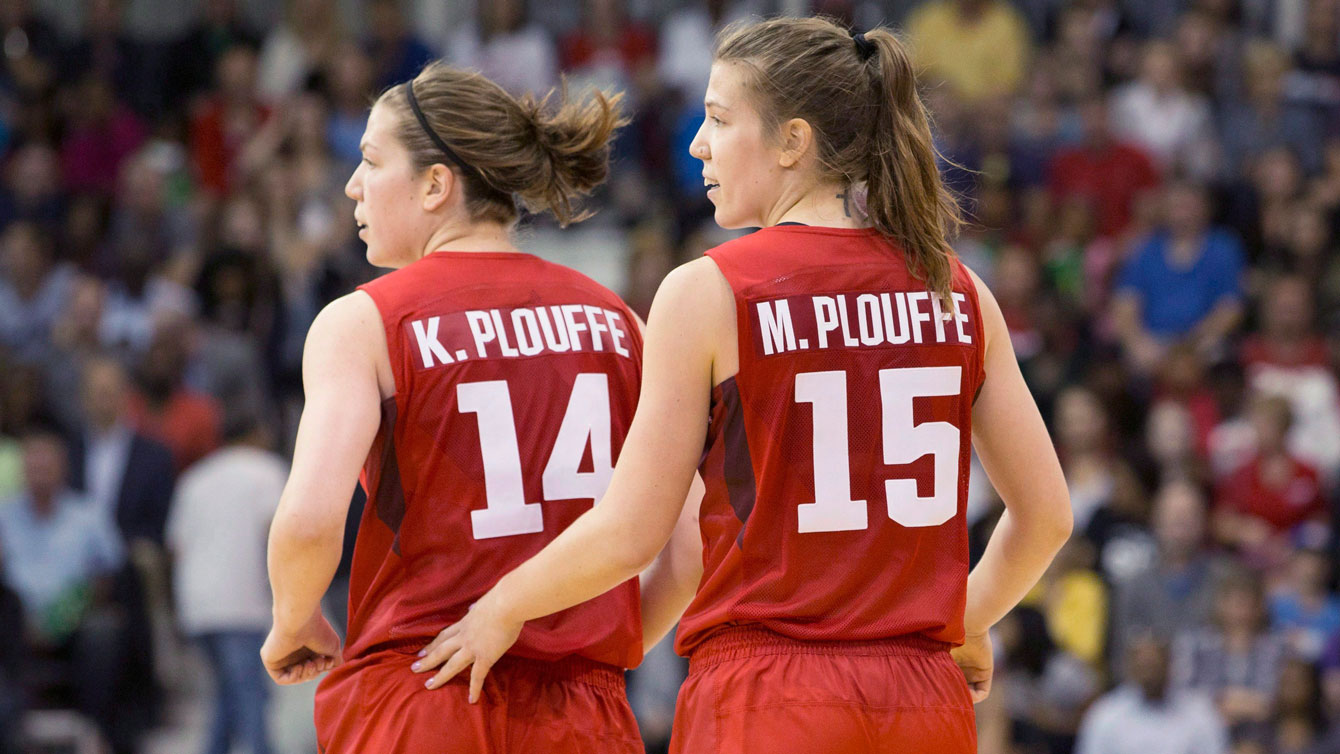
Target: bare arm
[(620, 537), (668, 586), (339, 421), (1017, 454)]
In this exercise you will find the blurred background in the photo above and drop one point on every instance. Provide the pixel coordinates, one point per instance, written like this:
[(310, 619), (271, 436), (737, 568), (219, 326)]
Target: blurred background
[(1155, 194)]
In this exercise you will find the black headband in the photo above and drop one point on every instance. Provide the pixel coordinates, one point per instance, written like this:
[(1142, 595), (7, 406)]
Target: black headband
[(863, 45), (465, 167)]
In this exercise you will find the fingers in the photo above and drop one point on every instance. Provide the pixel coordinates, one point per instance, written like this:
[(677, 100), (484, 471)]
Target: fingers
[(478, 672), (980, 690), (458, 662), (435, 654)]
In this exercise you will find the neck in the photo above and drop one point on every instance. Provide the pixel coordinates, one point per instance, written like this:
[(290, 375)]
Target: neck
[(472, 237), (830, 205)]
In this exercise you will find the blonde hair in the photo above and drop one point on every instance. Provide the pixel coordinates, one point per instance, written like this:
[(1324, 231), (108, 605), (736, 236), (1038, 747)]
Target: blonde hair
[(512, 146), (869, 125)]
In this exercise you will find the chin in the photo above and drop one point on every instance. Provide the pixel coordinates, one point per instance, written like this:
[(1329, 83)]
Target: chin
[(731, 222)]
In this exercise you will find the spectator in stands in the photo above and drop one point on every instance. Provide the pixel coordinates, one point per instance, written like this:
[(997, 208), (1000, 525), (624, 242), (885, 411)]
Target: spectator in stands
[(34, 288), (977, 47), (1289, 358), (300, 46), (1236, 660), (686, 44), (1110, 174), (165, 408), (1264, 118), (1302, 610), (123, 473), (1150, 714), (1170, 123), (32, 189), (221, 514), (195, 54), (61, 555), (1043, 687), (100, 134), (608, 50), (1176, 590), (12, 658), (1185, 282), (226, 120), (349, 86), (504, 45), (1272, 497), (396, 51)]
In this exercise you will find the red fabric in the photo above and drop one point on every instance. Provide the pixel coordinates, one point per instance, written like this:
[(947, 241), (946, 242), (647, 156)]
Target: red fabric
[(189, 424), (214, 147), (1110, 178), (886, 579), (376, 704), (750, 692), (1259, 351), (635, 45), (1297, 499), (419, 561), (91, 155)]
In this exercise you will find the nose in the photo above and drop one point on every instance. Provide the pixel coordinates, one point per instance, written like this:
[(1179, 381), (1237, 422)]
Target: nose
[(354, 187), (698, 147)]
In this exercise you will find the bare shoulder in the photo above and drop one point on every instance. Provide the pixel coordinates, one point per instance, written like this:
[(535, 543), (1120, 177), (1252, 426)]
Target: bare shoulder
[(696, 289), (348, 331)]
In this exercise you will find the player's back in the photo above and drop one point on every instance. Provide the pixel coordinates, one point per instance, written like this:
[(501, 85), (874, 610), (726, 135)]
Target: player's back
[(837, 457), (516, 381)]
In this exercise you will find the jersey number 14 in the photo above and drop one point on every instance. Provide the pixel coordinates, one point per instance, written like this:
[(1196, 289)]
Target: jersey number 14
[(587, 419)]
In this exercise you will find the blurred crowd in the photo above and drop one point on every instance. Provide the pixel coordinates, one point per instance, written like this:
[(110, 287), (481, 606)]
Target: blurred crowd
[(1154, 189)]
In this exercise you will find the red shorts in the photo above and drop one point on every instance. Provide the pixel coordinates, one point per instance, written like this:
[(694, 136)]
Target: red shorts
[(376, 705), (752, 690)]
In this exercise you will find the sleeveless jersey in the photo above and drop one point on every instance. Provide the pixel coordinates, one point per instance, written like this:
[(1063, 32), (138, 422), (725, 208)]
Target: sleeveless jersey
[(837, 457), (516, 381)]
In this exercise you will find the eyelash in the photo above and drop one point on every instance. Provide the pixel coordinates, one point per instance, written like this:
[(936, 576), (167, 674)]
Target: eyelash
[(716, 120)]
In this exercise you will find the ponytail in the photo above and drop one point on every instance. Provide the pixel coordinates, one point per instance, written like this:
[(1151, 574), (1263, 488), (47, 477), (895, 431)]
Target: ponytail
[(907, 199), (504, 147)]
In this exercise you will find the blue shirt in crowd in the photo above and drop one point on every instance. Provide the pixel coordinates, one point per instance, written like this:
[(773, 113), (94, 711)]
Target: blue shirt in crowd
[(1174, 299), (46, 555)]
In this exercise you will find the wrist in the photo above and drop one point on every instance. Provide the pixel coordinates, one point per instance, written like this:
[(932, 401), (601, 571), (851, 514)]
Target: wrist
[(497, 602)]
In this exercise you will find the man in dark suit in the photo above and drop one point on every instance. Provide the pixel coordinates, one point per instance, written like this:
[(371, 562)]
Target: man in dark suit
[(131, 478), (122, 471)]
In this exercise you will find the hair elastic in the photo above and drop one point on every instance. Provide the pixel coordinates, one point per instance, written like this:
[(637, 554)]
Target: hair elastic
[(863, 45), (465, 167)]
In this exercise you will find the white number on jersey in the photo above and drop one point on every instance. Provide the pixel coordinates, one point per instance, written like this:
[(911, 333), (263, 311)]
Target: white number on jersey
[(587, 419), (904, 442)]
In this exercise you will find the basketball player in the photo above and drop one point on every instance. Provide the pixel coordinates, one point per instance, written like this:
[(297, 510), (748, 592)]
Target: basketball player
[(835, 365), (484, 394)]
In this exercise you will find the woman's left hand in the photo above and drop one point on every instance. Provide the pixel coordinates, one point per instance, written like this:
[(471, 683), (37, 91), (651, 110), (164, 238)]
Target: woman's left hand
[(475, 641)]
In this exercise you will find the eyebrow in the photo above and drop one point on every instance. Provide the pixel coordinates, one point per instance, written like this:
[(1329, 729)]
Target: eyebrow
[(714, 103)]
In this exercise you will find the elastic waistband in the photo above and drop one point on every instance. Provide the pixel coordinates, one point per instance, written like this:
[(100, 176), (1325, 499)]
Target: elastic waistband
[(570, 669), (738, 642)]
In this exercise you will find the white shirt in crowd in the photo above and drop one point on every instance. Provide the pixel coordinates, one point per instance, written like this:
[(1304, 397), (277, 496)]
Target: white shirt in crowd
[(217, 530), (1124, 722)]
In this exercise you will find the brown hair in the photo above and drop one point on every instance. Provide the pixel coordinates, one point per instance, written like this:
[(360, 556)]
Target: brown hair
[(516, 146), (869, 124)]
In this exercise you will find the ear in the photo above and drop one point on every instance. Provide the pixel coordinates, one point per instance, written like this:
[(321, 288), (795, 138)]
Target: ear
[(796, 138), (439, 183)]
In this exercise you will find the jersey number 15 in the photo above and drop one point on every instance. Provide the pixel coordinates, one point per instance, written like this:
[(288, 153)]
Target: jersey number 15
[(904, 442)]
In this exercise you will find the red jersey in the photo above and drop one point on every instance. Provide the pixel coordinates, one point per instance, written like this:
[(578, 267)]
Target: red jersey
[(837, 457), (516, 381), (1284, 502)]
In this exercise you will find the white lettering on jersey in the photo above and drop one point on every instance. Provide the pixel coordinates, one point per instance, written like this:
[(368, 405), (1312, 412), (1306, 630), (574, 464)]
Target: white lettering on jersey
[(429, 346), (774, 324)]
